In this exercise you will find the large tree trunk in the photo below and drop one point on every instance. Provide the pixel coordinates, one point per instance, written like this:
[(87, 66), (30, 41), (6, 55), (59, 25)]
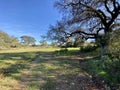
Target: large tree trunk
[(103, 48), (104, 42)]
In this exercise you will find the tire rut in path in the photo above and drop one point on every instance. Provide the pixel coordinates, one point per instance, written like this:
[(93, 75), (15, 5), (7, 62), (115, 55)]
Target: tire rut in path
[(27, 76)]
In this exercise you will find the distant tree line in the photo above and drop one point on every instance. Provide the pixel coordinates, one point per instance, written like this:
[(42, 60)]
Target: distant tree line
[(27, 40), (7, 41)]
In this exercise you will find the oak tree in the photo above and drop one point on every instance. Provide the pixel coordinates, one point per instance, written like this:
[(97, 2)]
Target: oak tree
[(97, 18)]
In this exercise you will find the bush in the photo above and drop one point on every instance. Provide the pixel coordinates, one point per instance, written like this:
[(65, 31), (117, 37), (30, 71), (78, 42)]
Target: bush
[(112, 68), (62, 51), (114, 45), (107, 69), (88, 48)]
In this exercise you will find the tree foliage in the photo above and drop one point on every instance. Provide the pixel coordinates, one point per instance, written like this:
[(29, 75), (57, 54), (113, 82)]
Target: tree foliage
[(114, 45), (59, 33), (43, 43), (28, 40), (7, 41), (95, 15), (14, 42)]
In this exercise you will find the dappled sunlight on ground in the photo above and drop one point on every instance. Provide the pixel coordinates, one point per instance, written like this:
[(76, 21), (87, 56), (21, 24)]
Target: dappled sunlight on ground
[(48, 72), (42, 70), (45, 70)]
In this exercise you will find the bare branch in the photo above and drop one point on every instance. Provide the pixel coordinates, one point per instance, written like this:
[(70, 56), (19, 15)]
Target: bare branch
[(114, 4), (82, 32), (114, 16), (103, 14), (95, 15), (107, 8)]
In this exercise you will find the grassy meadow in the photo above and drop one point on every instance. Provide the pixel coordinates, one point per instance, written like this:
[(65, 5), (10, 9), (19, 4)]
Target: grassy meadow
[(13, 62), (35, 69)]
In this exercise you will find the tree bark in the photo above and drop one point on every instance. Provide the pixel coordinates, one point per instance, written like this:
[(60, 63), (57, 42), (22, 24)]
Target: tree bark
[(103, 49)]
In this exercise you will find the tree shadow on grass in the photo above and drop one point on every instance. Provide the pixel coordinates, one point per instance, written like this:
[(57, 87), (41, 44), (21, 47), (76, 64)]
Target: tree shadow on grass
[(56, 73), (12, 69), (17, 56), (12, 63), (45, 72)]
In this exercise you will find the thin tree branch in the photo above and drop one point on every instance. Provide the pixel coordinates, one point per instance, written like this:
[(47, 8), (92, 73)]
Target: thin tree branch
[(82, 32), (107, 8)]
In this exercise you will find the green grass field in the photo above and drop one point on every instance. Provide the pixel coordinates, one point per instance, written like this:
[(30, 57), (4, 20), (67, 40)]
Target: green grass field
[(36, 68), (13, 62), (20, 70)]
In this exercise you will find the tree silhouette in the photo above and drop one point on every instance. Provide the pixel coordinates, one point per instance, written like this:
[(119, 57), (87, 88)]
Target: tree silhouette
[(97, 18)]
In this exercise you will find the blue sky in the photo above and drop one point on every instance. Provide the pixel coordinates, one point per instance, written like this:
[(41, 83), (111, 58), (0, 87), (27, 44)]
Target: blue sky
[(27, 17)]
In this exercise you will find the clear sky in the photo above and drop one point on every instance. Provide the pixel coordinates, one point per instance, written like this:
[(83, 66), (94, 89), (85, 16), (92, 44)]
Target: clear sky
[(27, 17)]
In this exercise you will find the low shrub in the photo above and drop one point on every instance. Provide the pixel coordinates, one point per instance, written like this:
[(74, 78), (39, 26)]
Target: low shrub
[(106, 68), (112, 68), (62, 51), (88, 48)]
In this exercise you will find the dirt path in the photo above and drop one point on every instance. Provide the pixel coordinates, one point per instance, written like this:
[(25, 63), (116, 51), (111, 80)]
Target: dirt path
[(27, 76), (47, 72)]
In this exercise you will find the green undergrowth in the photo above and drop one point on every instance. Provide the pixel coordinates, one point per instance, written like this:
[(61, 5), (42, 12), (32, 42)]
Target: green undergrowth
[(67, 51), (106, 69)]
